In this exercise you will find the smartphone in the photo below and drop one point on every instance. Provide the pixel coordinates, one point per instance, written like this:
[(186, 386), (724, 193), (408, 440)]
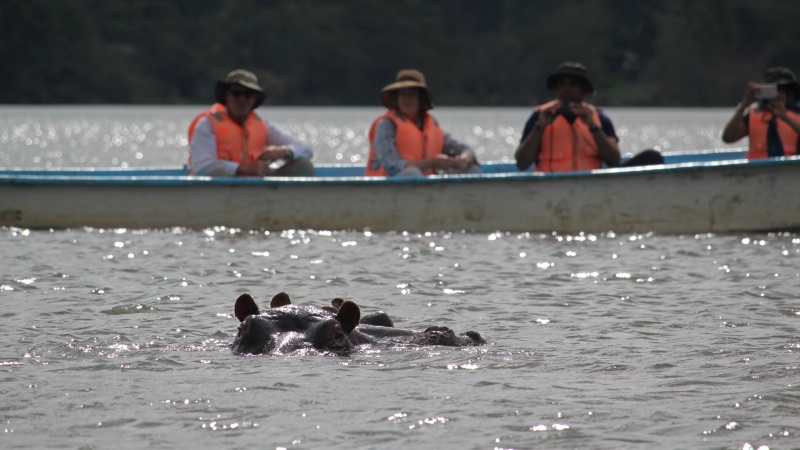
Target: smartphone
[(766, 91)]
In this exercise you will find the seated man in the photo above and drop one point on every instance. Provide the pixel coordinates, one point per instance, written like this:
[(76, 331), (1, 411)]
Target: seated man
[(406, 141), (772, 122), (567, 134), (229, 139)]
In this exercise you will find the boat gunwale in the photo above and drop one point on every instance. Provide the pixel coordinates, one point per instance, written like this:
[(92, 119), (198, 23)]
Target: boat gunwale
[(42, 178)]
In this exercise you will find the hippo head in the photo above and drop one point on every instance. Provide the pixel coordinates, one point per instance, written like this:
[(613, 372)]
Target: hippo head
[(286, 328), (448, 337)]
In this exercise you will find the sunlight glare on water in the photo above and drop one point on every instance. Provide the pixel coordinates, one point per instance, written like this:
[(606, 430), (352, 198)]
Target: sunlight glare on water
[(144, 136)]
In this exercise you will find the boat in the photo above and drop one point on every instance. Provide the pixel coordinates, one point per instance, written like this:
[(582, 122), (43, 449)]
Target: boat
[(708, 191)]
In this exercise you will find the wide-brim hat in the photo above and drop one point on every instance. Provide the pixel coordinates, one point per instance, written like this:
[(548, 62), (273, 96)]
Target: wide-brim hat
[(407, 78), (782, 77), (242, 77), (570, 69)]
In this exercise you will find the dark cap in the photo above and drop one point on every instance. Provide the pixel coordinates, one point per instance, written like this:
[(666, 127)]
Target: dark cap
[(570, 69), (242, 77)]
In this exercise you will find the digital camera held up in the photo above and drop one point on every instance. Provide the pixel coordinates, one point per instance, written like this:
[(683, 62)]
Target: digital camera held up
[(566, 111), (766, 91)]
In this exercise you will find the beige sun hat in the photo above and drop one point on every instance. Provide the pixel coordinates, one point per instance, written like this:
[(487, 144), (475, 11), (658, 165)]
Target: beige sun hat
[(407, 78), (243, 77)]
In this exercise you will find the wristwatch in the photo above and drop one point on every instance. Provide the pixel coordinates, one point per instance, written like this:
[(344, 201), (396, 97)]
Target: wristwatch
[(594, 128)]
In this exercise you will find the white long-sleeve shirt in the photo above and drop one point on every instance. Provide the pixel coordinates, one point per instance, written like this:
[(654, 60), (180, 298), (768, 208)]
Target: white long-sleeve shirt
[(203, 149)]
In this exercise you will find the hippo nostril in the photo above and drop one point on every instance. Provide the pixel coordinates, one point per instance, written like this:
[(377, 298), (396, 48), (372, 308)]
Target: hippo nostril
[(339, 340), (436, 328)]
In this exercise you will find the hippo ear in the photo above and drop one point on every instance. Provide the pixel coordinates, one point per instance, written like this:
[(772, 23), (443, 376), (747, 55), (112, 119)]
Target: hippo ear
[(279, 300), (349, 315), (337, 302), (245, 306), (476, 337)]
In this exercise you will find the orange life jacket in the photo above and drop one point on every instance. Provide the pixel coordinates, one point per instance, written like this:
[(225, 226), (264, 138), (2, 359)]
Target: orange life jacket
[(214, 108), (236, 143), (757, 127), (412, 143), (566, 147)]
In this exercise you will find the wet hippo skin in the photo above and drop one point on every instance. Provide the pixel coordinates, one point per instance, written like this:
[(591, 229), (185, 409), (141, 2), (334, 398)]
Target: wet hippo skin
[(339, 328)]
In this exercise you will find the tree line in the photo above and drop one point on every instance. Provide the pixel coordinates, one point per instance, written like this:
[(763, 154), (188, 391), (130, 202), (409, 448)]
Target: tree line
[(321, 52)]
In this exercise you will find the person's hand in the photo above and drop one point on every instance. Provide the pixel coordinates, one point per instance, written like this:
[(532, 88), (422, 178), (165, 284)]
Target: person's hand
[(445, 163), (463, 161), (547, 115), (273, 153), (450, 164), (257, 168), (777, 106), (749, 94), (583, 112)]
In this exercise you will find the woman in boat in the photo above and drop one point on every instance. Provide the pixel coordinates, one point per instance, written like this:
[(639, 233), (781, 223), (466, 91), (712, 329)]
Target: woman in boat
[(230, 139), (769, 114), (407, 141)]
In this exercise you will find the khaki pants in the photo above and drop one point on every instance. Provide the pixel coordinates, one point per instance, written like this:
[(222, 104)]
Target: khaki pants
[(297, 168)]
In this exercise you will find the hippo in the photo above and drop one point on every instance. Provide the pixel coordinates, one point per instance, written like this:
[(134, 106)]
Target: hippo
[(336, 329)]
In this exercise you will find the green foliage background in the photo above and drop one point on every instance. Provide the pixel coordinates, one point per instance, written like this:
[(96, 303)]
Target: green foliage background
[(325, 52)]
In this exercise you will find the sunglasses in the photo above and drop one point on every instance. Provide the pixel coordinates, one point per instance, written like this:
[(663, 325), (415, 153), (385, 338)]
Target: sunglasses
[(236, 93), (571, 80)]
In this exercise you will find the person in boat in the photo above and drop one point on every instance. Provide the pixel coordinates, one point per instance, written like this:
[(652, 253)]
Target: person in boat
[(407, 141), (568, 134), (769, 115), (230, 139)]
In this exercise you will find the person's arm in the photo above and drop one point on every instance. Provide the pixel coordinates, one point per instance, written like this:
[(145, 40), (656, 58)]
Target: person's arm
[(278, 146), (528, 151), (282, 146), (385, 150), (203, 150), (778, 107), (607, 146), (439, 161), (463, 155), (736, 128)]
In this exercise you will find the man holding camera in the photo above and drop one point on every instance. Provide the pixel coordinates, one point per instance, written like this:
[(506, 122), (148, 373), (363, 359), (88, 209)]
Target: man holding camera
[(769, 114), (568, 134)]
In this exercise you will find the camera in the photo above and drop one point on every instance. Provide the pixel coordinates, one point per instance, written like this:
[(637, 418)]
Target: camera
[(566, 111), (766, 91)]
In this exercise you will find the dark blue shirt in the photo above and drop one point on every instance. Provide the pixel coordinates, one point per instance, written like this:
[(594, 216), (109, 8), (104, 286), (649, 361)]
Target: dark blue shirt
[(605, 124)]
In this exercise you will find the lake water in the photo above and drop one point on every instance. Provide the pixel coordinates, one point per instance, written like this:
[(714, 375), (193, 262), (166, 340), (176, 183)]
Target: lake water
[(126, 136), (119, 338)]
